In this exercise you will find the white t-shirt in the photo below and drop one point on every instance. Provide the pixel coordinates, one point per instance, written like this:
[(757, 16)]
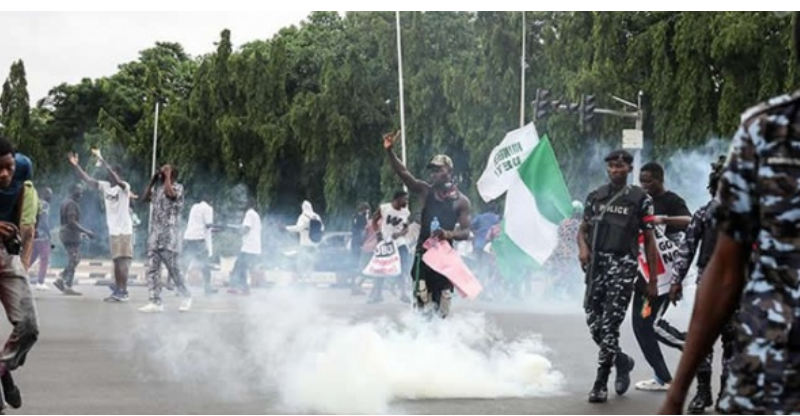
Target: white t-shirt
[(251, 242), (393, 221), (200, 216), (118, 203)]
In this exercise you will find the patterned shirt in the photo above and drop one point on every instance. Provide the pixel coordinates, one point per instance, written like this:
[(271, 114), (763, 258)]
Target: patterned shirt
[(166, 225), (760, 208), (691, 241)]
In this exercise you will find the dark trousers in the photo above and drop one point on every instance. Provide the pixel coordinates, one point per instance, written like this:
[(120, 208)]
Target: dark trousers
[(654, 329), (73, 258), (435, 283), (405, 264), (609, 293), (240, 269)]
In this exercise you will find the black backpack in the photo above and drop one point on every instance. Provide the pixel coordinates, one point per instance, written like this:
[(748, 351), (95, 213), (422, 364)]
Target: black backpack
[(315, 230)]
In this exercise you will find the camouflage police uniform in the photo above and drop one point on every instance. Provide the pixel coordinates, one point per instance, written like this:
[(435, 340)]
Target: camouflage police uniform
[(760, 208), (610, 286), (702, 234)]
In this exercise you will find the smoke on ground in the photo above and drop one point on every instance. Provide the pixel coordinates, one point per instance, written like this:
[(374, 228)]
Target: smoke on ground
[(285, 342)]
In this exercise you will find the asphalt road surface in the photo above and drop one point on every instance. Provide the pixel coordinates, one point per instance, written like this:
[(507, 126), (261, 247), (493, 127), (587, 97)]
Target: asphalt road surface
[(219, 358)]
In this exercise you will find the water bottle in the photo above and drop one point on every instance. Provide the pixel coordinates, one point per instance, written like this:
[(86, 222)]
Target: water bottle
[(435, 224)]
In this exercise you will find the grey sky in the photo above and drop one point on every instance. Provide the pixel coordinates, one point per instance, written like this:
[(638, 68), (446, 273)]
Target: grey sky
[(68, 46)]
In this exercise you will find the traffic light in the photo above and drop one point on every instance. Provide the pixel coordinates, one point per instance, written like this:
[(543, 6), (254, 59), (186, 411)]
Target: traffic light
[(572, 108), (541, 106), (587, 111)]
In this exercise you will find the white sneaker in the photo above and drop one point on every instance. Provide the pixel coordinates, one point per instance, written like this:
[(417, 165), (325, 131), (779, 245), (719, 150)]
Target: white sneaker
[(152, 308), (185, 305), (652, 385), (41, 286)]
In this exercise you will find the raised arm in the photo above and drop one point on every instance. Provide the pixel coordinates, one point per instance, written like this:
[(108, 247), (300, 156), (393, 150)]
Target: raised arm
[(169, 186), (114, 175), (414, 185), (72, 157), (148, 193)]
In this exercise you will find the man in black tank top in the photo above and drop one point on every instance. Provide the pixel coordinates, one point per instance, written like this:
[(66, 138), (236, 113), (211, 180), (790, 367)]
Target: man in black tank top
[(442, 203), (608, 241)]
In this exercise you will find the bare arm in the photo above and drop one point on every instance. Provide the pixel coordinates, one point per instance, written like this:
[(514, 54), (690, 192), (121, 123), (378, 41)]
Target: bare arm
[(414, 185), (148, 193), (463, 231), (584, 251), (114, 176), (169, 189), (679, 221), (717, 297), (73, 220), (651, 252), (73, 160)]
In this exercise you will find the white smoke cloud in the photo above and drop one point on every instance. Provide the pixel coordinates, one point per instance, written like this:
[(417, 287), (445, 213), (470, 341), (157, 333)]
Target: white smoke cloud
[(321, 362)]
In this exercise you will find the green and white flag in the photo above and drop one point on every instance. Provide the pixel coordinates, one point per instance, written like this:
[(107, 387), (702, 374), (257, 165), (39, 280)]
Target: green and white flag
[(536, 203)]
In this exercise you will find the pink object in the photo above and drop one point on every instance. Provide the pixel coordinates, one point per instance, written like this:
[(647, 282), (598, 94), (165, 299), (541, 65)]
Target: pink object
[(446, 261)]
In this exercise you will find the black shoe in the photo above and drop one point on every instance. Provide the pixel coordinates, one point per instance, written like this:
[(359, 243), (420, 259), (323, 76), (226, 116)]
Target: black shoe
[(702, 398), (59, 284), (699, 403), (14, 397), (624, 365), (599, 394)]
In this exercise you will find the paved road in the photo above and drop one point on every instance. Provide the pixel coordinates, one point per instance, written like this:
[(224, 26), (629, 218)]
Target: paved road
[(320, 350)]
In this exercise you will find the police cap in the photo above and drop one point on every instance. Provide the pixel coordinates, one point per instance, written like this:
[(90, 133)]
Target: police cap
[(619, 156)]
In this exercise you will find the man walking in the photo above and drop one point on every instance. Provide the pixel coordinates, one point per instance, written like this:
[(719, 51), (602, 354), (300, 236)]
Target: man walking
[(15, 291), (250, 251), (649, 326), (614, 215), (197, 243), (71, 234), (42, 243)]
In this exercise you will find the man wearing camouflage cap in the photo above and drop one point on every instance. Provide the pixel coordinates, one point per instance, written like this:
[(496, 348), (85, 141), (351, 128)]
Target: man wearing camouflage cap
[(613, 216), (442, 202)]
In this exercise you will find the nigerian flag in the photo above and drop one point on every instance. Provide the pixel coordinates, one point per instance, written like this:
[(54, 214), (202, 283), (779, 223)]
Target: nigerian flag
[(536, 202)]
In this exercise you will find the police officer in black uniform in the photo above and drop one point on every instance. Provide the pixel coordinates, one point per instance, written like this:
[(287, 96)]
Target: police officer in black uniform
[(614, 214)]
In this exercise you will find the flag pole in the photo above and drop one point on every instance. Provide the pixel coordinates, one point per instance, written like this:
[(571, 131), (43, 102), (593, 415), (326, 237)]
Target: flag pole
[(400, 86), (522, 71)]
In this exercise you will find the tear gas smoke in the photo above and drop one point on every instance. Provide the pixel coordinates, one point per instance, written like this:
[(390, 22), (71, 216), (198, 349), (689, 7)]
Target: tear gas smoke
[(320, 362)]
